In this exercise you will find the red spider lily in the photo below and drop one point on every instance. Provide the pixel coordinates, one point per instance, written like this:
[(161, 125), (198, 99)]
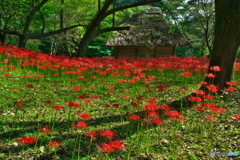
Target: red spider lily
[(88, 101), (173, 113), (160, 88), (210, 75), (56, 74), (216, 68), (27, 76), (125, 97), (92, 134), (210, 118), (232, 83), (92, 87), (27, 140), (45, 129), (5, 61), (212, 88), (116, 105), (54, 144), (19, 105), (103, 79), (182, 89), (39, 77), (107, 134), (151, 107), (152, 114), (30, 86), (76, 88), (7, 75), (95, 96), (47, 102), (80, 125), (199, 92), (84, 116), (209, 97), (157, 121), (134, 117), (204, 82), (236, 117), (106, 148), (134, 104), (111, 87), (109, 92), (230, 89), (187, 74), (121, 81), (111, 147), (195, 99), (116, 145), (81, 97), (139, 98), (72, 104), (165, 108), (57, 107), (152, 100), (15, 90)]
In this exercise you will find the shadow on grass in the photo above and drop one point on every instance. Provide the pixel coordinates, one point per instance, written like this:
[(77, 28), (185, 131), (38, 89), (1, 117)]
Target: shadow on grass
[(71, 138)]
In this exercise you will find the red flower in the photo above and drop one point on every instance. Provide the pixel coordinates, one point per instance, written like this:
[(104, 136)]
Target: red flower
[(165, 108), (152, 114), (232, 83), (27, 140), (106, 148), (157, 121), (15, 90), (199, 92), (111, 87), (173, 114), (216, 68), (230, 89), (134, 104), (92, 134), (30, 86), (81, 125), (72, 104), (210, 118), (95, 96), (81, 97), (152, 100), (151, 107), (76, 88), (54, 144), (92, 87), (46, 129), (204, 82), (237, 117), (187, 74), (195, 99), (116, 105), (88, 101), (84, 116), (57, 107), (212, 88), (19, 105), (139, 98), (116, 145), (210, 75), (209, 97), (134, 117), (107, 134), (47, 102)]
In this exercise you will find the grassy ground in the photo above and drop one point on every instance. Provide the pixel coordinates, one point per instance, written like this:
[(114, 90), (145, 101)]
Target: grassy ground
[(44, 98)]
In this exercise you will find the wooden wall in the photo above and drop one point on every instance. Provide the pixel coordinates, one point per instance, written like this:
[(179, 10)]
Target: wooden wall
[(144, 52)]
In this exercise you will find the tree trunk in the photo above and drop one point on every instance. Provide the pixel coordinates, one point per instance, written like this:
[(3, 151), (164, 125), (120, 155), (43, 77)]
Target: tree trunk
[(226, 41), (22, 41)]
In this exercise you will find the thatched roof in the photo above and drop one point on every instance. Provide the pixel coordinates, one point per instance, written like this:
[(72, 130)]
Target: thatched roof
[(148, 29)]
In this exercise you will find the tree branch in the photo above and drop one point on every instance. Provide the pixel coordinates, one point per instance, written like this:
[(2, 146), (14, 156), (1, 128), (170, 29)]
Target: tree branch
[(37, 36), (101, 31), (10, 32), (130, 6)]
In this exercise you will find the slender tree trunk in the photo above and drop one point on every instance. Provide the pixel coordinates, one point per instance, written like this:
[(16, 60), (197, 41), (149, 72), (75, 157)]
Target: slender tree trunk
[(22, 40), (226, 41)]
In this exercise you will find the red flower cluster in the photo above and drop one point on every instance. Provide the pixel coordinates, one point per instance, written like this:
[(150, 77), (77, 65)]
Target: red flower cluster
[(54, 144), (57, 107), (111, 147), (46, 129), (27, 140), (107, 134), (134, 117), (174, 115), (72, 104), (80, 125)]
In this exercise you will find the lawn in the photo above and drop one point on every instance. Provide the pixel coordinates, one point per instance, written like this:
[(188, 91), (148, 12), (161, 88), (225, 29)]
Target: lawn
[(56, 107)]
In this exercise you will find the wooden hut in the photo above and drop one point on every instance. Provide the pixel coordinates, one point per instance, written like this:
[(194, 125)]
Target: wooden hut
[(149, 36)]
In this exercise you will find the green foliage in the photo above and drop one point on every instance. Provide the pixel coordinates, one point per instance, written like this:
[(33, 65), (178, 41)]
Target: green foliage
[(97, 49)]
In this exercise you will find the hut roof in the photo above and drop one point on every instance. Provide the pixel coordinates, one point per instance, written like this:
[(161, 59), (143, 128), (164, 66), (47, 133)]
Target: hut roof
[(148, 29)]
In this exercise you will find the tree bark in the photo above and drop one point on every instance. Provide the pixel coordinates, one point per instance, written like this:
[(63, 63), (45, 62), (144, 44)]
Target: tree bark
[(226, 41)]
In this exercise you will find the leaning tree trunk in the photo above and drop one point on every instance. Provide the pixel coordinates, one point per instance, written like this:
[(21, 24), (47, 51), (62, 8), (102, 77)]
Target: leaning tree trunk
[(226, 41)]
